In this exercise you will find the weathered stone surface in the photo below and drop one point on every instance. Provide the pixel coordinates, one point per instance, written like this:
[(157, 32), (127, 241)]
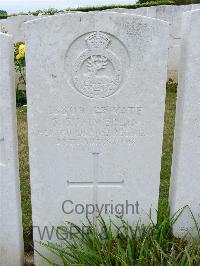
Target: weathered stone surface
[(96, 96), (11, 243), (14, 26), (173, 15), (185, 185), (138, 11)]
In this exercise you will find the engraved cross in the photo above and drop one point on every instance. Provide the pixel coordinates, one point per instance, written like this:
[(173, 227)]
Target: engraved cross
[(95, 183)]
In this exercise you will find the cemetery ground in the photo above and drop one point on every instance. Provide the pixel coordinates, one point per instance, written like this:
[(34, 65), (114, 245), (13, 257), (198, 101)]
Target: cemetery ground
[(165, 171)]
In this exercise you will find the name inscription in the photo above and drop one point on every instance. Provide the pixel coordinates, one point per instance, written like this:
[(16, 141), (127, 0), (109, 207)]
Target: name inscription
[(93, 124)]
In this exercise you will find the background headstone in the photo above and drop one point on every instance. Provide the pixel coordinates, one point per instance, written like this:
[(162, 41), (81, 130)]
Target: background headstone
[(96, 97), (11, 242), (173, 15), (185, 181), (14, 25)]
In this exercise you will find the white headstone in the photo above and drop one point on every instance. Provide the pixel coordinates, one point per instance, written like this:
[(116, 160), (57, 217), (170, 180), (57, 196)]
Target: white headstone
[(14, 25), (96, 96), (173, 15), (11, 243), (185, 183), (195, 6), (138, 11)]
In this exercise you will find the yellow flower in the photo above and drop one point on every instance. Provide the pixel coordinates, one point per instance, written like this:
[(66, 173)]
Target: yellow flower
[(22, 53), (18, 56), (22, 48)]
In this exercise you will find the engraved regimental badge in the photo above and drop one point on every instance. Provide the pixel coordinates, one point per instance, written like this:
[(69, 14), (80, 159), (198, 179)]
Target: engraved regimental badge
[(97, 71)]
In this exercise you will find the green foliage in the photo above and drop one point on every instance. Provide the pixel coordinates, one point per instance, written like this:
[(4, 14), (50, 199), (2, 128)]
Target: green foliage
[(50, 11), (121, 244), (21, 98), (183, 2), (140, 3), (24, 176), (172, 86), (3, 14), (186, 2), (176, 2), (53, 11), (130, 6), (167, 148)]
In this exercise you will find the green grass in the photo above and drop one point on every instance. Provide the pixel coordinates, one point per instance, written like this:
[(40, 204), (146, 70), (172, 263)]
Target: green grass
[(170, 109), (24, 167), (123, 245), (24, 176)]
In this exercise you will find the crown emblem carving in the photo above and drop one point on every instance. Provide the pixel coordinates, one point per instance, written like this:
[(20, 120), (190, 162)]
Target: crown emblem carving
[(97, 40)]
